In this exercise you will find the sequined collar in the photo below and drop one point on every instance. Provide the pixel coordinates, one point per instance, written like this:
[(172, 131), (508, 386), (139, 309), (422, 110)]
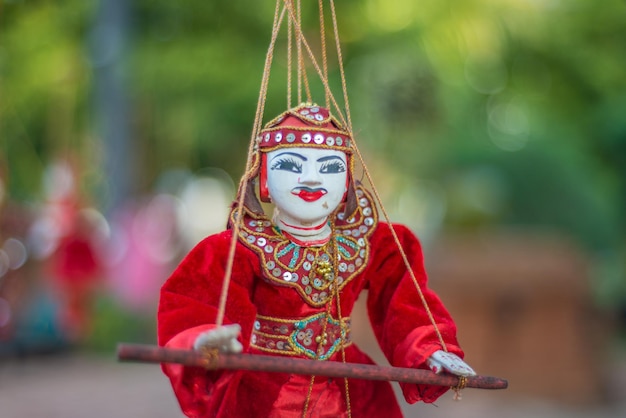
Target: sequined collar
[(309, 270)]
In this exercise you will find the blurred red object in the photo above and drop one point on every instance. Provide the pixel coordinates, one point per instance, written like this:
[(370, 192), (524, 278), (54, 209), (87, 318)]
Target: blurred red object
[(76, 270)]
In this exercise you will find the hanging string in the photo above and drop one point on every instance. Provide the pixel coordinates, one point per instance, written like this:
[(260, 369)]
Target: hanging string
[(289, 63), (307, 88), (250, 166), (305, 77), (323, 43), (371, 182), (344, 85), (305, 44), (342, 326), (307, 400), (396, 240), (332, 249), (348, 123), (296, 21), (301, 42), (258, 119)]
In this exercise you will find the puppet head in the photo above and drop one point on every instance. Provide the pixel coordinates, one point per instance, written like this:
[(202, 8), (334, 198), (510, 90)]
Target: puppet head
[(306, 162)]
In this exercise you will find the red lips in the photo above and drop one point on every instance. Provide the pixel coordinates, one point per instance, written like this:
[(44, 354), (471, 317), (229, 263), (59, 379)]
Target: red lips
[(309, 195)]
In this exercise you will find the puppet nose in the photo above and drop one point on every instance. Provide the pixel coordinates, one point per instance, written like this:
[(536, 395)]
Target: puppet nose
[(310, 176)]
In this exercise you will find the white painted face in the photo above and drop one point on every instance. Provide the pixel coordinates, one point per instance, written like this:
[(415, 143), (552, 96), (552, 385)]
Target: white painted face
[(306, 184)]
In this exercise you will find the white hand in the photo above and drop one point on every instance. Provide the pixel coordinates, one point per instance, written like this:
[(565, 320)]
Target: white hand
[(441, 360), (223, 338)]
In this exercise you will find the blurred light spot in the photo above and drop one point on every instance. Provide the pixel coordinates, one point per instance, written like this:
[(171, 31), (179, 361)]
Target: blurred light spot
[(5, 312), (508, 126), (476, 195), (486, 76), (506, 142), (43, 236), (4, 263), (154, 227), (542, 5), (480, 36), (58, 181), (16, 251), (509, 118), (118, 246), (391, 16), (422, 207), (448, 66), (172, 181), (97, 221), (206, 207), (483, 190)]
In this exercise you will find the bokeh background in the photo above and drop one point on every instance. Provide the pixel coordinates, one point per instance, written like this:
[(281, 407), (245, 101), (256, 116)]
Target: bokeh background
[(495, 129)]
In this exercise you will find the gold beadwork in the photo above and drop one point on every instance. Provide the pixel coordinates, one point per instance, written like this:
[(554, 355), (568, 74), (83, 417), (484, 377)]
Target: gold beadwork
[(329, 331), (279, 255)]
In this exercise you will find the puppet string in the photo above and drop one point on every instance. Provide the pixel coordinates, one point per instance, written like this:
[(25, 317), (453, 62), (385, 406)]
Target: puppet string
[(344, 327), (250, 167), (401, 250), (262, 97), (348, 122), (302, 40), (289, 63), (323, 43)]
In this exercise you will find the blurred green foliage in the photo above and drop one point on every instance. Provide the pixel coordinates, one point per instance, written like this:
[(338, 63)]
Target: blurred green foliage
[(44, 87), (518, 102), (114, 323)]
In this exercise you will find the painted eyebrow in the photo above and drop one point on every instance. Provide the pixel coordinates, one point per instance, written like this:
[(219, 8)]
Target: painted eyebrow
[(330, 157), (302, 157)]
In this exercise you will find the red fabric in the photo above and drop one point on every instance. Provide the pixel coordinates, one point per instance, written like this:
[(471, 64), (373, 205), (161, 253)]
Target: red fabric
[(188, 306)]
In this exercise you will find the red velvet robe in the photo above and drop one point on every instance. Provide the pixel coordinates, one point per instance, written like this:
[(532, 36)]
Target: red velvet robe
[(189, 301)]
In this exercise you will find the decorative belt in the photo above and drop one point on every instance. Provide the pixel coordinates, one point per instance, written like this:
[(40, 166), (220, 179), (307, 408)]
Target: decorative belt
[(306, 336)]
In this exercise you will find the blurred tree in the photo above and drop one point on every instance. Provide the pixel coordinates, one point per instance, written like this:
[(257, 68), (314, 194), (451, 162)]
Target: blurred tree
[(521, 123), (514, 106), (44, 89)]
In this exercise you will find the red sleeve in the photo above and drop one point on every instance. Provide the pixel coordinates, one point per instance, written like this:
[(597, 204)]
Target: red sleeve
[(400, 321), (188, 306)]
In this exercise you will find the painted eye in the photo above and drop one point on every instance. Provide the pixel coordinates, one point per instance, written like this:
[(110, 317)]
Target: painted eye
[(333, 167), (287, 164)]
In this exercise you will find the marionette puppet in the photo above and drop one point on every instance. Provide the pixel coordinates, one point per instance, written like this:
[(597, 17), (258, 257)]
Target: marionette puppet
[(255, 321)]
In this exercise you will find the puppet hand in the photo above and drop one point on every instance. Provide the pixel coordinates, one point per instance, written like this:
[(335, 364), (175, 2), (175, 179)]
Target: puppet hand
[(440, 360), (223, 338)]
